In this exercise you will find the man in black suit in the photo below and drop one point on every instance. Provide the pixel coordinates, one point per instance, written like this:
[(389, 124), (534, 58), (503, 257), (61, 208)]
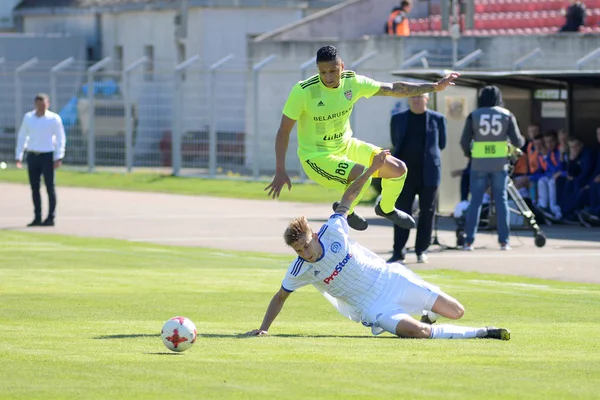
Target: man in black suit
[(418, 136)]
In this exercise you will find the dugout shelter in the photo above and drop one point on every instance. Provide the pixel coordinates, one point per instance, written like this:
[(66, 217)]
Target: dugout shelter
[(553, 99)]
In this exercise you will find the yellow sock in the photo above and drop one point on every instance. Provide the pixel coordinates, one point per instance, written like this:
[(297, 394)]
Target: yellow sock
[(390, 190), (360, 195)]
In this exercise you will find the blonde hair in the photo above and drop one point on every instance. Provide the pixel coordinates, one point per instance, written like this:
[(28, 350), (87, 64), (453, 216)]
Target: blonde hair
[(296, 230)]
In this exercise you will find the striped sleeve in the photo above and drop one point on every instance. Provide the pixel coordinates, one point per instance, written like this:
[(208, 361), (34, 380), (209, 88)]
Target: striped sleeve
[(295, 278)]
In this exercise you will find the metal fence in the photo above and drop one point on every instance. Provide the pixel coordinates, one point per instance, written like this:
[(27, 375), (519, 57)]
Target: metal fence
[(188, 116), (195, 118), (192, 118)]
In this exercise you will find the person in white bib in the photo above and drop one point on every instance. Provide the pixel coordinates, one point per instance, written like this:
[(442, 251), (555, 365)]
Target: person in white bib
[(361, 285)]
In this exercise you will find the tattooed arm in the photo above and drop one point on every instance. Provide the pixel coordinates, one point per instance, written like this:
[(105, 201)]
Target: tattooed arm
[(356, 186), (407, 89)]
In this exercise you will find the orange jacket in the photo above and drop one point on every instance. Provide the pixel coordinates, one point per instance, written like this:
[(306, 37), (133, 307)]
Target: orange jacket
[(521, 166), (398, 24)]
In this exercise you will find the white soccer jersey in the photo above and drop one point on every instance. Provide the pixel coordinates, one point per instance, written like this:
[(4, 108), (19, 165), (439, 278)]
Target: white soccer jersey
[(346, 270)]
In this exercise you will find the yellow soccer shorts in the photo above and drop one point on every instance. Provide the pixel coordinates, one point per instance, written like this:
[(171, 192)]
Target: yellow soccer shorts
[(332, 170)]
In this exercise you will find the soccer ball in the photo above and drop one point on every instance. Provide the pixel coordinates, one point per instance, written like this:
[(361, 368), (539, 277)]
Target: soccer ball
[(179, 334)]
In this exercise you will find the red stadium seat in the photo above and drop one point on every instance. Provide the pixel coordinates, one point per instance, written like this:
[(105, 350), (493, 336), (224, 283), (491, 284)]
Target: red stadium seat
[(555, 5), (502, 6), (436, 23), (510, 17), (480, 7), (591, 4)]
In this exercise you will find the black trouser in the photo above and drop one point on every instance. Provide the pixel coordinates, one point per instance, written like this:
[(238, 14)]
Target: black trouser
[(39, 164), (427, 199)]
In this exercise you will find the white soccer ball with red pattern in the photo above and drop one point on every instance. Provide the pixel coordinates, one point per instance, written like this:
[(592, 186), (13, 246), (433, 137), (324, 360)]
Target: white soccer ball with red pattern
[(179, 334)]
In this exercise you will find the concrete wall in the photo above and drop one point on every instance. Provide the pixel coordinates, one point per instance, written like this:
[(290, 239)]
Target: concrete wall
[(212, 32), (134, 30), (16, 48), (82, 25), (558, 51), (349, 20)]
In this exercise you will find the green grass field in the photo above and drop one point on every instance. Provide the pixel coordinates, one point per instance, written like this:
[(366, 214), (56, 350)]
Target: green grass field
[(155, 182), (81, 319)]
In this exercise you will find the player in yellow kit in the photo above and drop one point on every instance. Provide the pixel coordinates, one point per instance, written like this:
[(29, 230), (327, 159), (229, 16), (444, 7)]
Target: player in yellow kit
[(329, 154)]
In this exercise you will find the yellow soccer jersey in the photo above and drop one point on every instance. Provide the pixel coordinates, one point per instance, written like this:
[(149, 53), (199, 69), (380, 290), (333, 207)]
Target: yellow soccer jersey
[(323, 113)]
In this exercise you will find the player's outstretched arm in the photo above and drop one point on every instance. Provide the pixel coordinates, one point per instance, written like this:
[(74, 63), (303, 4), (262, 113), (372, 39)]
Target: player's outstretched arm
[(356, 186), (281, 145), (273, 311), (407, 89)]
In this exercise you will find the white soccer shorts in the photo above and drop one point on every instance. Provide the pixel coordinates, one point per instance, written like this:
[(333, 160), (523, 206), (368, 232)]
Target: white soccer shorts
[(405, 294)]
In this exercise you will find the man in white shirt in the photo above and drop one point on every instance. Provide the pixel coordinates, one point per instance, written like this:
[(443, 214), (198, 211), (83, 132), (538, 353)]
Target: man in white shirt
[(43, 136), (361, 285)]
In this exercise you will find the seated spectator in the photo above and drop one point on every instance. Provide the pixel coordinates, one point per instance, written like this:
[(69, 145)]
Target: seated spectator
[(574, 17), (397, 22), (579, 172), (563, 145), (527, 163), (536, 170), (592, 213), (554, 168)]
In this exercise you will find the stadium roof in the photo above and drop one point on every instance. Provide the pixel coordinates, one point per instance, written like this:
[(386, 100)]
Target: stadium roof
[(525, 79)]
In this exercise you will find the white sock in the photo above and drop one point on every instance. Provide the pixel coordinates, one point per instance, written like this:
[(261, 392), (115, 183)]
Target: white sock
[(456, 332)]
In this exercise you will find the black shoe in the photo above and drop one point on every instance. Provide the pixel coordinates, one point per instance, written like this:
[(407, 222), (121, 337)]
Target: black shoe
[(497, 333), (400, 218), (395, 258), (355, 221), (588, 217), (48, 222), (35, 222), (549, 215), (425, 319), (582, 221)]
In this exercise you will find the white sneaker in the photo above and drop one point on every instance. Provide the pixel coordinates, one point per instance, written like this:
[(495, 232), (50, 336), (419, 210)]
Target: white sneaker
[(422, 259), (505, 247), (468, 247)]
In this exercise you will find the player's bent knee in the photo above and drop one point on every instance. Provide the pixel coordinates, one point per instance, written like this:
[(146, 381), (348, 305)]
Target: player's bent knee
[(448, 307), (460, 310), (413, 330), (457, 311), (399, 167)]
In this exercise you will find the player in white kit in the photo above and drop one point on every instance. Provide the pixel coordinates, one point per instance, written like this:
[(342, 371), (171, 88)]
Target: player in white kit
[(361, 285)]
